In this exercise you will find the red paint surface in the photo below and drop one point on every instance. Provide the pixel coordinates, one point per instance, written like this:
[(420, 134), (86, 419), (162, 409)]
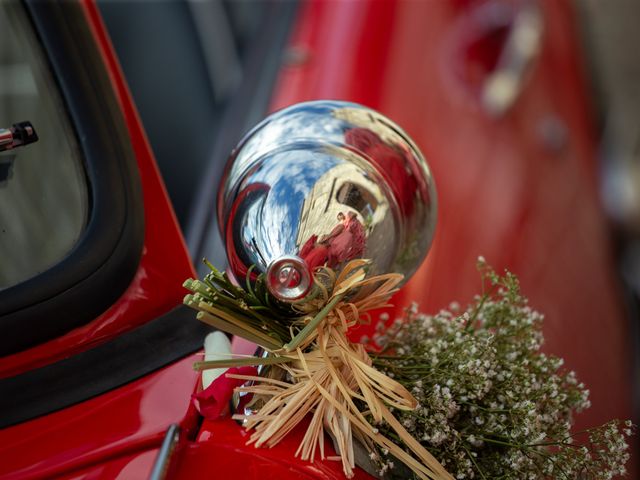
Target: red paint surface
[(221, 448), (136, 465), (127, 421), (157, 285), (502, 194)]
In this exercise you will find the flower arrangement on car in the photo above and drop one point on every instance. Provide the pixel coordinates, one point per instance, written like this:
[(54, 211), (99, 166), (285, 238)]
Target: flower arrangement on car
[(462, 394)]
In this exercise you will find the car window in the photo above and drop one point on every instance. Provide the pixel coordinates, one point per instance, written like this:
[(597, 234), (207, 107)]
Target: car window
[(44, 198)]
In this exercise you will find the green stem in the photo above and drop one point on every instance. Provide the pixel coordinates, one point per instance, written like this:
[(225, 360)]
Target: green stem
[(498, 442), (474, 462), (473, 318), (221, 324), (313, 324), (238, 362)]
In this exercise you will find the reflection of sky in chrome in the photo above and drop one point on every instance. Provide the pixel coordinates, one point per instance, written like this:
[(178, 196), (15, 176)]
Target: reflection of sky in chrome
[(305, 122), (291, 176), (272, 224)]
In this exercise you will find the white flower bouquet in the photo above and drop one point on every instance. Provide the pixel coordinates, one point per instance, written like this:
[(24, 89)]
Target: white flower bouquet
[(491, 404)]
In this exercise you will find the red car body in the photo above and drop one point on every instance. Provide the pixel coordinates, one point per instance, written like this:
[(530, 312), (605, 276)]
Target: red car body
[(506, 191)]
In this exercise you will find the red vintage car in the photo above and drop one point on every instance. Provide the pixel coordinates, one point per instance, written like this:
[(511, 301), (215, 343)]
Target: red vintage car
[(97, 350)]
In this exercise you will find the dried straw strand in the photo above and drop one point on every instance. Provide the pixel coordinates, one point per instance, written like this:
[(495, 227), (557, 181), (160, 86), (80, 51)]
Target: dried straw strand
[(328, 374)]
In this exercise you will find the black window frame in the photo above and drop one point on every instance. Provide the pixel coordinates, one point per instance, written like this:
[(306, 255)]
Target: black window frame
[(104, 260)]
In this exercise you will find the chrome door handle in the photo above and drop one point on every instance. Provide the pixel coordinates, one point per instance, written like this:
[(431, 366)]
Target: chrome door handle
[(504, 84)]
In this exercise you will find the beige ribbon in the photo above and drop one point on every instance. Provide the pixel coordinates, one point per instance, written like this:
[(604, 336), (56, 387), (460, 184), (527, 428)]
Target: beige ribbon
[(328, 373)]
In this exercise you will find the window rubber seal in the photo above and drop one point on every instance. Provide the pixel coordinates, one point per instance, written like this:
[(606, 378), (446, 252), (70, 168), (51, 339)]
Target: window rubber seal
[(109, 365), (106, 257)]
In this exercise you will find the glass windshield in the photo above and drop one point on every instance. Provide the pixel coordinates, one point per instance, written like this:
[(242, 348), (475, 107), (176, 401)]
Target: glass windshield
[(43, 189)]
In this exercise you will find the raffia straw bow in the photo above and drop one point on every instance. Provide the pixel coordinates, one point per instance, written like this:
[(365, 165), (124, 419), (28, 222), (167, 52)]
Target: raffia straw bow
[(328, 373)]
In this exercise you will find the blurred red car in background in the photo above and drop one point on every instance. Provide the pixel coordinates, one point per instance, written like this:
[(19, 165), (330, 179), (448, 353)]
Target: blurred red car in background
[(96, 348)]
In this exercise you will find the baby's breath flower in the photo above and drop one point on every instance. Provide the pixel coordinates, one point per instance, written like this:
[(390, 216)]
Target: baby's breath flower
[(491, 404)]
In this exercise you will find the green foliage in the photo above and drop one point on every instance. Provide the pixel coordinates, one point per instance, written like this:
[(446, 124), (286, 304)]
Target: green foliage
[(251, 313)]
